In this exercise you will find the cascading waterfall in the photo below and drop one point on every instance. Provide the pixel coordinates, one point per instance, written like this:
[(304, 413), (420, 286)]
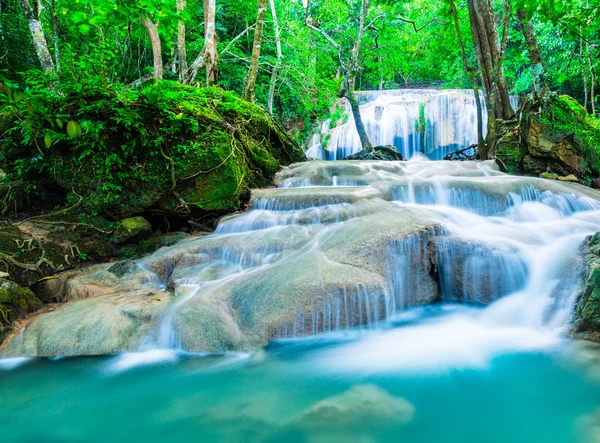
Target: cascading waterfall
[(428, 121)]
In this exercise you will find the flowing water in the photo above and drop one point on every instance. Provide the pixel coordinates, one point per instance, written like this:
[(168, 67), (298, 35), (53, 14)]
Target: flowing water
[(421, 301), (427, 121)]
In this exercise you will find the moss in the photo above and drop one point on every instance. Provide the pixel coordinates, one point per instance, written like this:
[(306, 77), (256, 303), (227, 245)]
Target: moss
[(167, 146), (15, 302), (566, 118)]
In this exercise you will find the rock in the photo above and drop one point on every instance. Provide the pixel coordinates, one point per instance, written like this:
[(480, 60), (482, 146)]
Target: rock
[(561, 139), (360, 407), (587, 322), (123, 267), (569, 178), (51, 289), (550, 176), (15, 302), (389, 153), (596, 183), (132, 229)]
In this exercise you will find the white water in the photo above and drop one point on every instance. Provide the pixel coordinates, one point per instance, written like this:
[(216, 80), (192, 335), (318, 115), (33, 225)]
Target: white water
[(392, 117)]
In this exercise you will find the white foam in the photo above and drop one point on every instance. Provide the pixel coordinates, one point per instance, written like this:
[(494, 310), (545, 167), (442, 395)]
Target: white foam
[(11, 363), (458, 341), (131, 360)]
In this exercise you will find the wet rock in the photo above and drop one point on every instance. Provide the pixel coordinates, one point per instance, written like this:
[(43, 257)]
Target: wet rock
[(560, 138), (51, 289), (132, 229), (379, 153), (15, 302), (596, 183), (123, 267), (569, 178), (360, 406), (587, 323), (549, 176)]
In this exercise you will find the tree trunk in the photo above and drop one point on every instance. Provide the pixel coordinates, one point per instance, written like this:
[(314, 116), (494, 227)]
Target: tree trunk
[(37, 33), (472, 73), (592, 79), (152, 31), (277, 68), (248, 93), (55, 36), (209, 57), (540, 83), (210, 43), (490, 58), (584, 75), (360, 126), (181, 53)]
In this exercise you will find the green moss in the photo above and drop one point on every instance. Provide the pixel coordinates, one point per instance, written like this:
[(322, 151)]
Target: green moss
[(565, 117), (167, 145), (15, 302)]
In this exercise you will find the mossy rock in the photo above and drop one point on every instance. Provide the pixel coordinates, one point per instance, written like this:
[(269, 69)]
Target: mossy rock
[(132, 229), (166, 149), (587, 323), (559, 137), (15, 302)]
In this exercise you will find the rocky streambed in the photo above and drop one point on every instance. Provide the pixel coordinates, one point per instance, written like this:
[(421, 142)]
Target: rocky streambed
[(335, 246)]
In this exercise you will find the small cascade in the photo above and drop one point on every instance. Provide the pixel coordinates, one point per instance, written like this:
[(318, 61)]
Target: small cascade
[(319, 254), (428, 121)]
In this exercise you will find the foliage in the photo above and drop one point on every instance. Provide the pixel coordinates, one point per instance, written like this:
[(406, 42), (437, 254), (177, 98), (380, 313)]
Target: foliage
[(171, 146)]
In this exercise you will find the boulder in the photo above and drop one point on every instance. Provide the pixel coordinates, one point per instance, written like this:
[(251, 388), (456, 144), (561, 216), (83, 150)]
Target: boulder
[(15, 302), (587, 322), (361, 406), (559, 138), (132, 229), (569, 178)]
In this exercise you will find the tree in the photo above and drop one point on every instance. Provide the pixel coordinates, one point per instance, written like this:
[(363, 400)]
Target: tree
[(248, 92), (152, 31), (349, 66), (181, 52), (490, 58), (472, 73), (277, 68), (208, 57), (540, 84), (32, 15)]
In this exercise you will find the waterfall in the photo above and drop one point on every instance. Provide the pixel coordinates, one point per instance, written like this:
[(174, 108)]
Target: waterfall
[(342, 246), (427, 121)]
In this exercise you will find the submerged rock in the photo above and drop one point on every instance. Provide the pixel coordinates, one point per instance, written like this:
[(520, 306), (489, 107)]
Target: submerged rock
[(360, 407)]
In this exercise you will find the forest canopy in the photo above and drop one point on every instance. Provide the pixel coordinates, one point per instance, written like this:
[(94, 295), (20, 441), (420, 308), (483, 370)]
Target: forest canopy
[(290, 56)]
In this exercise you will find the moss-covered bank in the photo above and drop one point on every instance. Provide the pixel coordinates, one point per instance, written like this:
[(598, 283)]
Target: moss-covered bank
[(167, 149), (559, 138)]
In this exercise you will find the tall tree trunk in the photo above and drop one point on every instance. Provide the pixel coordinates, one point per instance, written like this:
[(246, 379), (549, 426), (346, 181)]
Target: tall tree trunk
[(472, 73), (248, 93), (540, 83), (210, 43), (360, 126), (152, 31), (583, 74), (592, 79), (181, 53), (208, 57), (37, 34), (490, 58), (277, 68), (55, 35)]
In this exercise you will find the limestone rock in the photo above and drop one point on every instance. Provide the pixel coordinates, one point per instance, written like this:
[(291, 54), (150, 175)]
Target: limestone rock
[(550, 176), (132, 229), (359, 407)]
